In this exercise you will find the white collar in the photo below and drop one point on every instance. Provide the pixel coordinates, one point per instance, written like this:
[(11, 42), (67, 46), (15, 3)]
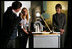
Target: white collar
[(17, 13)]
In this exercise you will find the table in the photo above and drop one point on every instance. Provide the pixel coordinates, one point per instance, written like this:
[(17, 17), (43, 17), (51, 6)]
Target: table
[(46, 40)]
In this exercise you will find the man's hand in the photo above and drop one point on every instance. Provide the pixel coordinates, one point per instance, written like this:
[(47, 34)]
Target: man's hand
[(61, 31)]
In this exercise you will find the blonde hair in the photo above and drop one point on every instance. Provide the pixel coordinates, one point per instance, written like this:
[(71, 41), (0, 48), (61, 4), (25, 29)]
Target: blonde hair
[(22, 12)]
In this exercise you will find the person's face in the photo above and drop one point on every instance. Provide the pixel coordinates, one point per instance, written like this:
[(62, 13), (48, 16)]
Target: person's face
[(58, 10), (25, 11), (17, 10)]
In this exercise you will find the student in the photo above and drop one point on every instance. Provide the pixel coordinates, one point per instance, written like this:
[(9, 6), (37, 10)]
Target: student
[(59, 22), (24, 31), (11, 20)]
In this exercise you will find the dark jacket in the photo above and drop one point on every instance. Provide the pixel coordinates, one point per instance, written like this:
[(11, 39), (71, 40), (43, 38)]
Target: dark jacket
[(59, 21), (10, 22)]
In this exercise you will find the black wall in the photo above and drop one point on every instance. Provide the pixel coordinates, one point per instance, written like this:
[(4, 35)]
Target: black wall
[(2, 11), (69, 26)]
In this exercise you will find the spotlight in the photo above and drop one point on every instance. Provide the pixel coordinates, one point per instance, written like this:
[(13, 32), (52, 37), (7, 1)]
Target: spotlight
[(37, 14)]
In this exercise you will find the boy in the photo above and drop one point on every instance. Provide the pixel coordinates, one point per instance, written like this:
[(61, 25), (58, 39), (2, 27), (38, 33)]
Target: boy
[(59, 21)]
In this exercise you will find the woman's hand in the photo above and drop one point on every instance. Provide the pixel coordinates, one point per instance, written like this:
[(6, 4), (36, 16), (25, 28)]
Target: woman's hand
[(61, 31), (26, 32)]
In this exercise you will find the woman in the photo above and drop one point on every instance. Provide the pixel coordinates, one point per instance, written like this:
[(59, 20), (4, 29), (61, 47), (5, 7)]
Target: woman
[(24, 21), (24, 28)]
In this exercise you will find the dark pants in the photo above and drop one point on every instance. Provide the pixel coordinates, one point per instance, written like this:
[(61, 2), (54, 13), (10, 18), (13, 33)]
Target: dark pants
[(30, 40), (9, 39), (23, 42), (11, 44), (61, 39), (23, 37)]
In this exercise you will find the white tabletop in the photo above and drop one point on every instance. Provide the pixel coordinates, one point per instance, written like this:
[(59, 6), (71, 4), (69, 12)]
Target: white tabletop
[(45, 32)]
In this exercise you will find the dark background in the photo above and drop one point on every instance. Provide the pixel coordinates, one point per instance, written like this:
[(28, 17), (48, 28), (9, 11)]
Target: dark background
[(69, 25)]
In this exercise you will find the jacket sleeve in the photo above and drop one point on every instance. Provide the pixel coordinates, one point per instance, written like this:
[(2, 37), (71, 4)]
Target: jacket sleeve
[(53, 22), (64, 24)]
